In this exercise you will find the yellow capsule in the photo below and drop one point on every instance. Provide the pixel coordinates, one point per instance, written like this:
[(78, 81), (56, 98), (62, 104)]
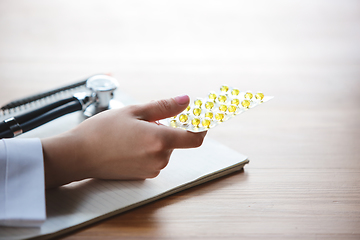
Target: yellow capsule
[(173, 117), (232, 108), (235, 92), (206, 122), (224, 88), (219, 116), (245, 103), (183, 118), (212, 96), (198, 102), (235, 101), (195, 122), (209, 105), (197, 111), (248, 95), (209, 115), (173, 123), (222, 98), (259, 96), (223, 107), (188, 108)]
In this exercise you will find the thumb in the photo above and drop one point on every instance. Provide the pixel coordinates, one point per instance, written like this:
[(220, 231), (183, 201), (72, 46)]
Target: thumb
[(164, 108)]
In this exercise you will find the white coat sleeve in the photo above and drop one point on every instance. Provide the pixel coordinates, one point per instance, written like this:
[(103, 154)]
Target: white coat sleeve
[(22, 186)]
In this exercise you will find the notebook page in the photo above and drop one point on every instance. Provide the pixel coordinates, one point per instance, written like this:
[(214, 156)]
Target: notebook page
[(87, 201)]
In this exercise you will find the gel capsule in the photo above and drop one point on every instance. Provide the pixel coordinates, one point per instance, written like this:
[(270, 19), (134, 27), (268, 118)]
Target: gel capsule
[(235, 92), (245, 103), (222, 98), (259, 96), (232, 108), (198, 102), (209, 105), (183, 118), (197, 111), (223, 107), (195, 122), (173, 123), (235, 101), (224, 88), (219, 117), (188, 108), (248, 95), (206, 122), (212, 96), (209, 115)]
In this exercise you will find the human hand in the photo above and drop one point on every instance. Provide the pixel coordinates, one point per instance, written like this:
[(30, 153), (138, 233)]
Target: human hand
[(118, 144)]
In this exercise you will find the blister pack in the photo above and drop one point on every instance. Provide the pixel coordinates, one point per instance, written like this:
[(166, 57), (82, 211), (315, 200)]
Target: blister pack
[(218, 107)]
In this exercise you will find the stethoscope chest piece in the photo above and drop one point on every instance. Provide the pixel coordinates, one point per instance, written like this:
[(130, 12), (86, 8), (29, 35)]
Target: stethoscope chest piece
[(102, 96)]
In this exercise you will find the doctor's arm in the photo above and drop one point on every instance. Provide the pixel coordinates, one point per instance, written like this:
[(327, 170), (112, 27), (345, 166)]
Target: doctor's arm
[(120, 144), (117, 144)]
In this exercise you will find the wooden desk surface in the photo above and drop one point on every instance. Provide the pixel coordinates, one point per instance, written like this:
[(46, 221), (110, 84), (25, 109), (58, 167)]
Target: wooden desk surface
[(303, 180)]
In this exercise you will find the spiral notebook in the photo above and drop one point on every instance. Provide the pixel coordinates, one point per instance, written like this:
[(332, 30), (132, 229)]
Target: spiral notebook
[(82, 203)]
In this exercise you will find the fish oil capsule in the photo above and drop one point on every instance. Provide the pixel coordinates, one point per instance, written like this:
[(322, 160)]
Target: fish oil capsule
[(183, 118), (197, 111), (198, 102), (235, 101), (209, 115), (188, 108), (222, 98), (259, 96), (224, 88), (232, 108), (206, 122), (248, 95), (209, 105), (223, 107), (173, 123), (219, 116), (245, 103), (195, 122), (235, 92), (174, 117), (212, 96)]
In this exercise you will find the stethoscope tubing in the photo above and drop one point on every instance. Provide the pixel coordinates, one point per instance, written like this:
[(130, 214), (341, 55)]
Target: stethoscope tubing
[(34, 119)]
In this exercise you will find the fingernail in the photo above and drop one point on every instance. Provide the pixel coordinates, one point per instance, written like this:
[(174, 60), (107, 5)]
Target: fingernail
[(182, 99)]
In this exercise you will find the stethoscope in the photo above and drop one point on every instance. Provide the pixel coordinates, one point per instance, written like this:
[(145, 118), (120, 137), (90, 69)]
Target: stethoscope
[(101, 98)]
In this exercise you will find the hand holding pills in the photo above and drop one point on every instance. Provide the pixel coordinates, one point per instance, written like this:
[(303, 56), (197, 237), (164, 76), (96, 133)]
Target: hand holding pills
[(121, 143)]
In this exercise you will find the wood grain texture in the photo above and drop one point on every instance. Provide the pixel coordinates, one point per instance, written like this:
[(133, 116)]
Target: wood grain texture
[(303, 180)]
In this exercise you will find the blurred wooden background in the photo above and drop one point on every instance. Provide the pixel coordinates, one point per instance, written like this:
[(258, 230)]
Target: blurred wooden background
[(303, 180)]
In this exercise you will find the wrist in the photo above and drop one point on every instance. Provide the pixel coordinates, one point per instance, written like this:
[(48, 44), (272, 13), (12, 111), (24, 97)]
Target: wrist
[(62, 160)]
